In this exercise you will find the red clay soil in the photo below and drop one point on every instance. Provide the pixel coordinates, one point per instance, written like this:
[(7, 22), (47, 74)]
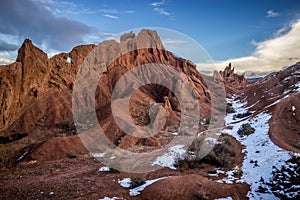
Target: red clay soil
[(49, 168), (193, 187), (285, 123), (58, 148)]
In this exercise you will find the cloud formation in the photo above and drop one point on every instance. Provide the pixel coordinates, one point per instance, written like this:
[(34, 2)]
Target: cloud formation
[(109, 11), (270, 55), (157, 4), (157, 7), (111, 16), (271, 13), (4, 61), (65, 7), (4, 46), (32, 19), (161, 11)]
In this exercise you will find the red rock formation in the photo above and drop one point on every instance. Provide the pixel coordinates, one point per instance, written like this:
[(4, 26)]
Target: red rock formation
[(231, 78), (36, 91)]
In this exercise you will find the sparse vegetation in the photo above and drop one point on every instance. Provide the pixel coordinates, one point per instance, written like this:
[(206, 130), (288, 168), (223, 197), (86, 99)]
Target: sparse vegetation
[(68, 127), (262, 189), (72, 155), (113, 170), (66, 124), (201, 195), (297, 145), (242, 115), (246, 129), (8, 155), (12, 137), (218, 157), (285, 180), (136, 182), (229, 108)]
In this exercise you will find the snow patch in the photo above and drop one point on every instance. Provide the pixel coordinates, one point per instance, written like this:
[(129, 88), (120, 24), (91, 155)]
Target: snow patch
[(169, 158), (69, 59), (113, 198), (136, 191), (126, 182), (276, 102), (293, 88), (175, 133), (23, 155), (230, 179), (297, 87), (104, 169), (98, 155), (226, 198), (211, 140), (218, 172)]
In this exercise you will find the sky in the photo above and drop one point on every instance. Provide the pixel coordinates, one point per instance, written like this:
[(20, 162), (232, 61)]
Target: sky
[(257, 36)]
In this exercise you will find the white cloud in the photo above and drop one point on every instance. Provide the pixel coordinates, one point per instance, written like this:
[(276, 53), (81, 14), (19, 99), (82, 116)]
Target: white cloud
[(158, 8), (59, 7), (271, 13), (109, 11), (270, 55), (161, 11), (101, 36), (157, 4), (47, 27), (4, 61), (111, 16), (282, 31)]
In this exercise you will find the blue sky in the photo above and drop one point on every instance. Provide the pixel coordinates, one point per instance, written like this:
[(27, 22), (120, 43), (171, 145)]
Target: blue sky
[(228, 30)]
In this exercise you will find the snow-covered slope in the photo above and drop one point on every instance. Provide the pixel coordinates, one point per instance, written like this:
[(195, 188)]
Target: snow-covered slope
[(262, 158)]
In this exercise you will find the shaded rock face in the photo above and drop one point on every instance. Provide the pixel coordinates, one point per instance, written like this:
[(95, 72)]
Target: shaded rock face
[(36, 89), (36, 92), (230, 77), (126, 36), (149, 94)]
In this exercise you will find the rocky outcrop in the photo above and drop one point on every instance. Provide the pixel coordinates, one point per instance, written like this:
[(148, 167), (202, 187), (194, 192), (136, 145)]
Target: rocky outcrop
[(126, 36), (35, 87), (36, 91), (230, 77)]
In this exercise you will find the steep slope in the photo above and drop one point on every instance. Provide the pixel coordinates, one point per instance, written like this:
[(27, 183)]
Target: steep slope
[(278, 94), (36, 91), (127, 58)]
